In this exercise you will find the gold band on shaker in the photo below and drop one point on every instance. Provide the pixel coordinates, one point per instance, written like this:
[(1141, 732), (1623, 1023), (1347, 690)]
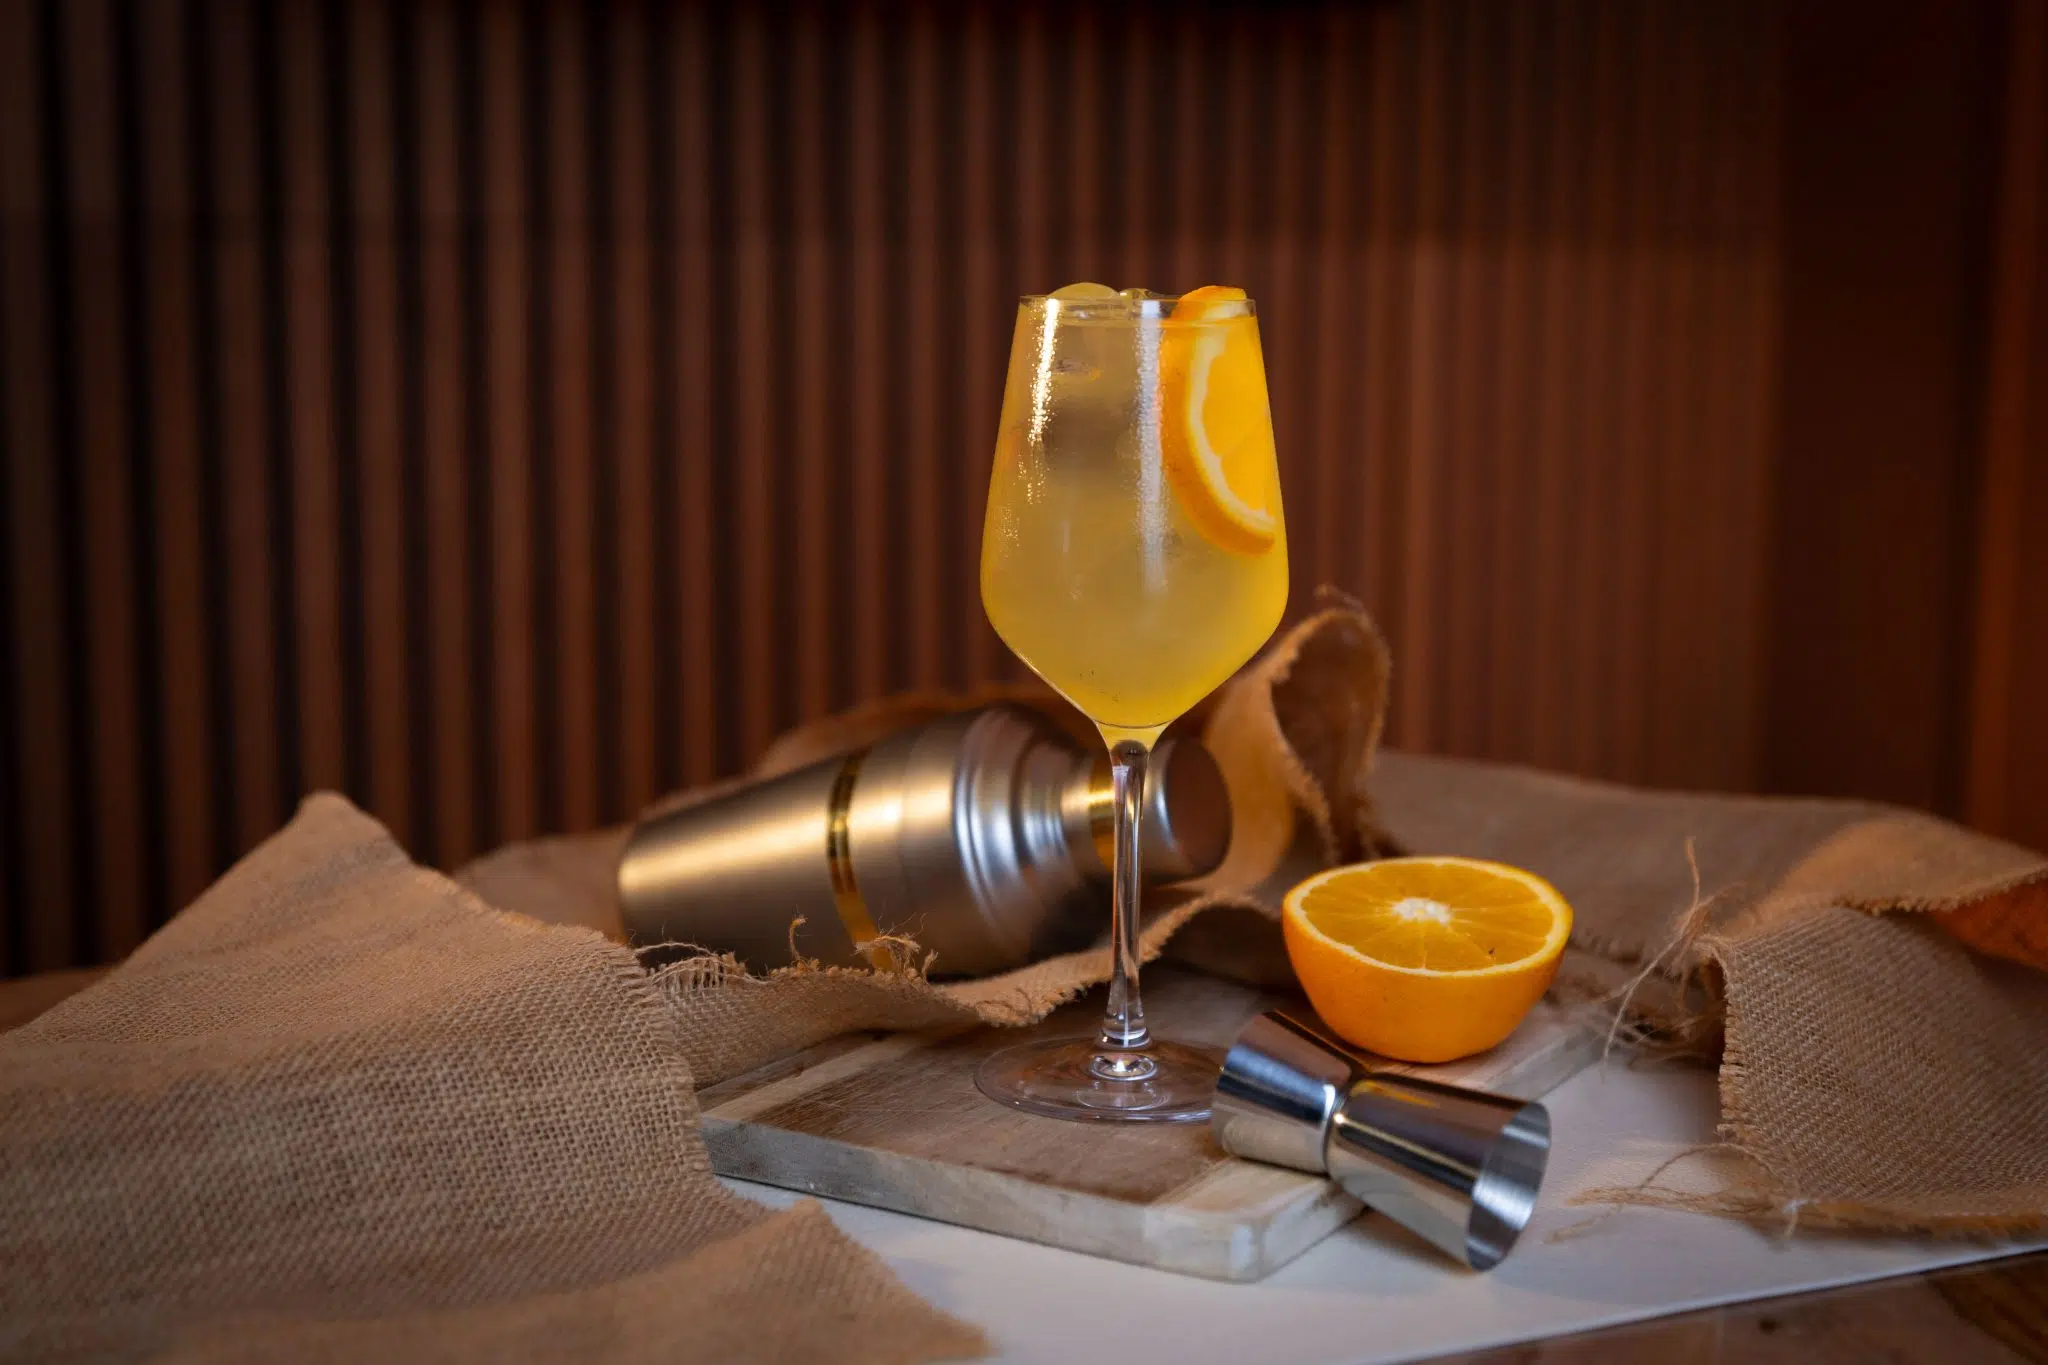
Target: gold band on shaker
[(846, 897), (1102, 810)]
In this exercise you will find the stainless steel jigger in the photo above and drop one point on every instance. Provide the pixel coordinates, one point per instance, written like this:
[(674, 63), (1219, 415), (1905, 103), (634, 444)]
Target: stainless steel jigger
[(1458, 1167)]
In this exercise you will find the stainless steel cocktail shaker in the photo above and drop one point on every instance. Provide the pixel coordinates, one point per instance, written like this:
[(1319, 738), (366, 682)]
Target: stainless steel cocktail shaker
[(984, 836)]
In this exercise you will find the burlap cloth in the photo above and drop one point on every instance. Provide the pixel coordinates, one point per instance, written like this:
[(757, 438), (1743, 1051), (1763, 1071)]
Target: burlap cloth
[(1874, 1071), (339, 1109), (342, 1108)]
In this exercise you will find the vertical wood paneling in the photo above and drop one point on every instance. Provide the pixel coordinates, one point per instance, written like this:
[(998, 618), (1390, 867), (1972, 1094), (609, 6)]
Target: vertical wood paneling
[(1601, 401), (701, 683), (815, 425), (1424, 343), (318, 563), (138, 456), (1378, 393), (449, 592), (1510, 432), (508, 379), (1185, 149), (385, 748), (1888, 168), (1558, 84), (979, 317), (241, 478), (1749, 448), (921, 511), (602, 137), (46, 780), (1282, 239), (640, 620), (508, 412), (92, 357), (865, 339), (422, 758), (1138, 91), (1680, 500), (1634, 376), (1329, 444), (189, 796), (2007, 789), (564, 465), (748, 328), (1466, 369)]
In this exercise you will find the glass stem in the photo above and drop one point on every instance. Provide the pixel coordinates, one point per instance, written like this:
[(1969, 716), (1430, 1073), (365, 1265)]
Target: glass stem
[(1123, 1024)]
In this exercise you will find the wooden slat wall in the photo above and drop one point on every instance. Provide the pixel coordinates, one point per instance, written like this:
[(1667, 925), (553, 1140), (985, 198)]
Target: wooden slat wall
[(507, 413), (1889, 168), (2007, 773)]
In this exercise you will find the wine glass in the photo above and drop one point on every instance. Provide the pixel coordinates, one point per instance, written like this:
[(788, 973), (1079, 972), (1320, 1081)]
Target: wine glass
[(1134, 555)]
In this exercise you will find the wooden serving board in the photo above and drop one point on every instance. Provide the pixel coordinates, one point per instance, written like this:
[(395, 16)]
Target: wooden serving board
[(894, 1120)]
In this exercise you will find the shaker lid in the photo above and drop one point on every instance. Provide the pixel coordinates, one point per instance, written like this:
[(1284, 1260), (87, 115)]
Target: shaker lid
[(1187, 812)]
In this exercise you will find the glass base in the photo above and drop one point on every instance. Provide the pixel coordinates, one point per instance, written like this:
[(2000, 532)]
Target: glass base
[(1078, 1078)]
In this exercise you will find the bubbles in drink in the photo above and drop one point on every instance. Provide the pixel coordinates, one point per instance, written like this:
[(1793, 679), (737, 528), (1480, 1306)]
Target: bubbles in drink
[(1091, 570)]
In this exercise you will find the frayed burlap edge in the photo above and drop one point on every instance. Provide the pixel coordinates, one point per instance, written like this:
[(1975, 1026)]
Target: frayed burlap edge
[(730, 1020), (1694, 963)]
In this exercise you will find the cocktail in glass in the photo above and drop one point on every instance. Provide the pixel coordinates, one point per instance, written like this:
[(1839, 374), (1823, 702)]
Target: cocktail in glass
[(1134, 555)]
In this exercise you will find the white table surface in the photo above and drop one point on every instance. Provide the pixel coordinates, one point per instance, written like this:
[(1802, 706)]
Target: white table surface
[(1371, 1293)]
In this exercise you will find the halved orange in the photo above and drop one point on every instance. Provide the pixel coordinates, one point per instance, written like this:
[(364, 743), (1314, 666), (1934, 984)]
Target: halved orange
[(1216, 426), (1425, 959)]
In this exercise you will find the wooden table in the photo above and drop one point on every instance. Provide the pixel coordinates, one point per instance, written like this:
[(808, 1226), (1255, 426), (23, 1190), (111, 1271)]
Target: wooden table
[(1996, 1312), (1987, 1314)]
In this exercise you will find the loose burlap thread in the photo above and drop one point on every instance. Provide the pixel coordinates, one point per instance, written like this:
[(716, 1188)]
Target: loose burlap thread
[(1874, 1072), (340, 1109)]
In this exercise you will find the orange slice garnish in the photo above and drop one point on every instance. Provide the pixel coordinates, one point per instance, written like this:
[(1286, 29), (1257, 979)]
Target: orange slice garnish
[(1216, 427)]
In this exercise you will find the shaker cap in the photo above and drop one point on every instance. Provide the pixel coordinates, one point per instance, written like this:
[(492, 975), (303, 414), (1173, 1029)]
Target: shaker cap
[(1186, 830)]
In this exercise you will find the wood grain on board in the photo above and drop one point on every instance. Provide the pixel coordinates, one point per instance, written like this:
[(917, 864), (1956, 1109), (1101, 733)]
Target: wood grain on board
[(894, 1120)]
